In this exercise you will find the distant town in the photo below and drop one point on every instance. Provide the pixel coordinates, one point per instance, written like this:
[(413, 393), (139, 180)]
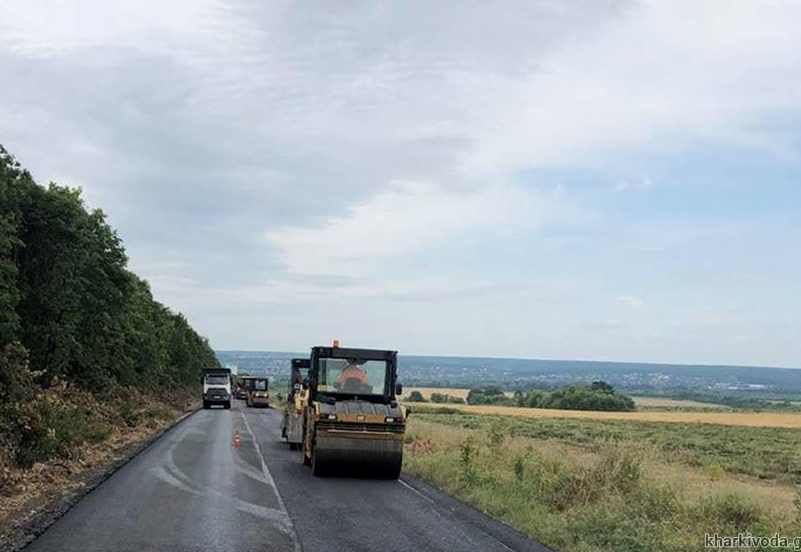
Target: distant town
[(513, 374)]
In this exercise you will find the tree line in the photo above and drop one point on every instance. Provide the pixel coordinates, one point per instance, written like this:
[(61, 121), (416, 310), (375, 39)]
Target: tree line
[(70, 310), (597, 396)]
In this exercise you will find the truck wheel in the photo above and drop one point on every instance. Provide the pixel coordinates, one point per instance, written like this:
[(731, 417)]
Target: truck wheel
[(205, 405), (227, 405)]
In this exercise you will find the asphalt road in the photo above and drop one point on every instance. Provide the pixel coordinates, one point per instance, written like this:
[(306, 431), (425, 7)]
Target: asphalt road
[(193, 491)]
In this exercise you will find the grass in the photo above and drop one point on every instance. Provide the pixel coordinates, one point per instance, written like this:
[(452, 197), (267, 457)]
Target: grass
[(750, 419), (765, 452), (615, 496)]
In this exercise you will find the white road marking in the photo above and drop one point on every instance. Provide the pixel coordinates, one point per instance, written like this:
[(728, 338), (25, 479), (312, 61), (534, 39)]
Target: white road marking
[(402, 482), (271, 482), (415, 491)]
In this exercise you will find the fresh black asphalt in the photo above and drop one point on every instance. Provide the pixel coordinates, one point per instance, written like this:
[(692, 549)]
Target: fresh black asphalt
[(193, 491)]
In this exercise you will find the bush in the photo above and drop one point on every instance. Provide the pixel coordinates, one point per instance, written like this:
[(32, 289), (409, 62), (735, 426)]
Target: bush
[(730, 512), (416, 396), (128, 413), (52, 430), (442, 398), (492, 395), (798, 500)]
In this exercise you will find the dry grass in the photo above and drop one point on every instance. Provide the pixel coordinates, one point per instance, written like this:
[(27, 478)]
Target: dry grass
[(748, 419)]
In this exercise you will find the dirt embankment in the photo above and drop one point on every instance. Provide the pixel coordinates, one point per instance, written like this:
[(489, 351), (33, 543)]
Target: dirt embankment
[(35, 493)]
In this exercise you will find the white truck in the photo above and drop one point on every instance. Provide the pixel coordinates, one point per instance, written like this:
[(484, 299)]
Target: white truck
[(217, 387)]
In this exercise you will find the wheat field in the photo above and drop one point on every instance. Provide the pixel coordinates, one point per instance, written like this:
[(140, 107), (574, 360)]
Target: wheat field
[(748, 419)]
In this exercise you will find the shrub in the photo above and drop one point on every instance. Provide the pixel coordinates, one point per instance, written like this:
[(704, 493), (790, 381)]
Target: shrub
[(51, 430), (445, 398), (416, 396), (730, 511), (621, 466), (798, 499), (467, 459), (129, 414), (489, 395)]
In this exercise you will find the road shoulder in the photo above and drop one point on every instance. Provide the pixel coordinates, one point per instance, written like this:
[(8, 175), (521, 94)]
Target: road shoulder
[(26, 523)]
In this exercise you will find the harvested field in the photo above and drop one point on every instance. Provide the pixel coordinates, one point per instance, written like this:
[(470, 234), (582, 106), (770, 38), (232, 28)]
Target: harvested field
[(659, 402), (748, 419)]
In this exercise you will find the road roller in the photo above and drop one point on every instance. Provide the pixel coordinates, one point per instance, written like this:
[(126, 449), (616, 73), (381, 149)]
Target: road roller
[(258, 393), (353, 424), (296, 401)]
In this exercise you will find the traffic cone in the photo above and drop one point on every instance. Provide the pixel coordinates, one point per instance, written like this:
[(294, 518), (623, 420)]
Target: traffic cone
[(237, 440)]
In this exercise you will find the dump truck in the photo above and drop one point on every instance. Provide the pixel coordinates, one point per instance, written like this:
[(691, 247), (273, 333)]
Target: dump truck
[(296, 401), (216, 387), (353, 422), (257, 392)]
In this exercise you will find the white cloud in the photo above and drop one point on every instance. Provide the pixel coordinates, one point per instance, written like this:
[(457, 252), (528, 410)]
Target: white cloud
[(629, 301), (644, 183), (256, 155), (411, 218)]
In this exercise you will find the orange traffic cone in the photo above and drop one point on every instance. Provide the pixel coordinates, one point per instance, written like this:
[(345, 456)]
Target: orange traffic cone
[(237, 440)]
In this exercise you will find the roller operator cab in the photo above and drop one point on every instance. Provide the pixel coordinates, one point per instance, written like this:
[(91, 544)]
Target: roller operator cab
[(296, 401), (217, 387), (353, 422)]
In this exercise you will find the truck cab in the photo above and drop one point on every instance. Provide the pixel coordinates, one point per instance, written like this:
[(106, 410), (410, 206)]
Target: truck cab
[(216, 387)]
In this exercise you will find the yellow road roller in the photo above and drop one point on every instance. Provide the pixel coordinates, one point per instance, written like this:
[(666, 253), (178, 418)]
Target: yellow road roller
[(296, 401), (257, 391), (353, 423)]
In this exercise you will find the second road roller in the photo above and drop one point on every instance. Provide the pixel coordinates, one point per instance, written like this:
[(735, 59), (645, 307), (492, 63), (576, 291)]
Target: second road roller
[(353, 423)]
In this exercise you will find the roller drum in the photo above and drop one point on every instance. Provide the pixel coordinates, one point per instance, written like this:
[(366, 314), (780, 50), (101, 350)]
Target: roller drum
[(365, 457)]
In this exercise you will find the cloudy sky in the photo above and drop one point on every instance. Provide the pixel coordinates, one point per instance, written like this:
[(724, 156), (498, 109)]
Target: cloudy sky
[(591, 180)]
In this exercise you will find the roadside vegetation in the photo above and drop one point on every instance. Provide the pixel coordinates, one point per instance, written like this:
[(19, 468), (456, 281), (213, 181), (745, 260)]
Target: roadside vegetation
[(580, 486), (83, 344)]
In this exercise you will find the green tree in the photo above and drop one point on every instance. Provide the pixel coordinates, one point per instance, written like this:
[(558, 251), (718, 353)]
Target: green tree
[(416, 396), (67, 295)]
